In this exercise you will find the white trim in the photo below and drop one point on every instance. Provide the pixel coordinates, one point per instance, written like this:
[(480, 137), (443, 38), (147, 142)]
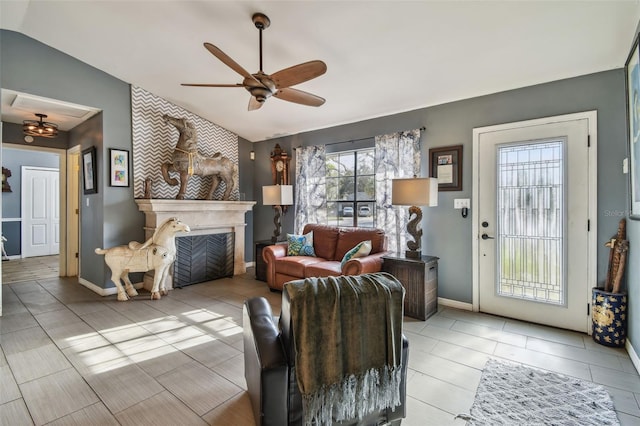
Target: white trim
[(104, 291), (592, 268), (633, 355), (249, 264), (450, 303), (11, 219)]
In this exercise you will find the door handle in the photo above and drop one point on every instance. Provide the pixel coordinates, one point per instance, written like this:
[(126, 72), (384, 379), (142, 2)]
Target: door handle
[(486, 237)]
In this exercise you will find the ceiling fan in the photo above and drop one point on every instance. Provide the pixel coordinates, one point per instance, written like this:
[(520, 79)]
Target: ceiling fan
[(262, 85)]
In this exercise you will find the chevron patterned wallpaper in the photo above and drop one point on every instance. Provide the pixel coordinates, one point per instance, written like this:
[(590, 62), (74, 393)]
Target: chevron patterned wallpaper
[(154, 142)]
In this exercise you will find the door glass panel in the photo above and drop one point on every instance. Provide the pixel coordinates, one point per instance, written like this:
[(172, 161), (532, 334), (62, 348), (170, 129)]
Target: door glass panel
[(530, 228)]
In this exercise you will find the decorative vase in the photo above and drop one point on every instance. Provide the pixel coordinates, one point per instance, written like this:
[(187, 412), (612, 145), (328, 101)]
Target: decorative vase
[(609, 317)]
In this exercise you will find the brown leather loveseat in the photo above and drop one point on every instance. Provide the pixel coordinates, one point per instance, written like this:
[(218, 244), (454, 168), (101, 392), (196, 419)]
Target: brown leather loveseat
[(330, 244)]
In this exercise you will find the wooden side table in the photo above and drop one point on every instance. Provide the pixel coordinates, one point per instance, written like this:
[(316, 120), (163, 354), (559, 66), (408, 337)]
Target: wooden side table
[(420, 280)]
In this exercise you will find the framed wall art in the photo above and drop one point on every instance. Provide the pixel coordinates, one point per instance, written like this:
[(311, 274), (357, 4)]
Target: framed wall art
[(632, 74), (89, 171), (446, 165), (118, 167)]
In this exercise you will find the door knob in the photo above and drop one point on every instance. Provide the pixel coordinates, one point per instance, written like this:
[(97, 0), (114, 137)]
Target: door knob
[(486, 237)]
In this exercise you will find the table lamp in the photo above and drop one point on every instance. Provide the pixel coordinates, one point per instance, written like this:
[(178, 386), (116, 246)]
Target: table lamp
[(277, 196), (414, 192)]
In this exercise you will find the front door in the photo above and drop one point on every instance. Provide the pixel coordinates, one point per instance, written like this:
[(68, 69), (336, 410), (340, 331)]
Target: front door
[(533, 248), (40, 211)]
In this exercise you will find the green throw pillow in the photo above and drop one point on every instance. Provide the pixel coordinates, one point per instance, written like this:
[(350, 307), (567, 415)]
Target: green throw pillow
[(360, 250), (300, 245)]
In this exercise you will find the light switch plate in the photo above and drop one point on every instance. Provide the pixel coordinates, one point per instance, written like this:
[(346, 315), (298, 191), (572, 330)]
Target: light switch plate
[(460, 203), (625, 166)]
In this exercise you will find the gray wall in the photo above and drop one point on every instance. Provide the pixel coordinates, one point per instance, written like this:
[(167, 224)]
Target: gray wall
[(447, 234), (112, 217), (12, 133), (245, 185), (14, 159)]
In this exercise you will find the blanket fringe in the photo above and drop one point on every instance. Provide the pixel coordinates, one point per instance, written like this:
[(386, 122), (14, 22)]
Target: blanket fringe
[(354, 397)]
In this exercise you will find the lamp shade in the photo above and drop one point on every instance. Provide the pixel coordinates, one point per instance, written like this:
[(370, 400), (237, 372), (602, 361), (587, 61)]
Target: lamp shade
[(414, 192), (277, 195)]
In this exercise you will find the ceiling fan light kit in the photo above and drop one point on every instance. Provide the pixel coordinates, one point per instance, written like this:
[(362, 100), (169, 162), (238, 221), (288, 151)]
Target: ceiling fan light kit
[(262, 86)]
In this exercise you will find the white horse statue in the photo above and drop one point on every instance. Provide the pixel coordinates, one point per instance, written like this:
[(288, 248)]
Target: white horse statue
[(157, 253)]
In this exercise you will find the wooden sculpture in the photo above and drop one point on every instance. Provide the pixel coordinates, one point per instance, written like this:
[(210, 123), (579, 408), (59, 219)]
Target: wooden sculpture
[(157, 254), (187, 161)]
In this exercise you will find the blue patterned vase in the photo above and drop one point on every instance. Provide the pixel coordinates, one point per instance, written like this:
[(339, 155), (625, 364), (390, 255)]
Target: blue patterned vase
[(609, 317)]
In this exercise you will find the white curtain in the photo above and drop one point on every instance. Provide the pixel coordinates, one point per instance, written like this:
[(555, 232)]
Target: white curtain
[(397, 156), (311, 194)]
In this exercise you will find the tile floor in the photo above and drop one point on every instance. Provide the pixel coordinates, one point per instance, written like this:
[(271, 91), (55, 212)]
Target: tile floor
[(69, 356)]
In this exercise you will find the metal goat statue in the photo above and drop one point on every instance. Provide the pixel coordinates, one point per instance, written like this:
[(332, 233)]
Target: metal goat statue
[(157, 253), (187, 161)]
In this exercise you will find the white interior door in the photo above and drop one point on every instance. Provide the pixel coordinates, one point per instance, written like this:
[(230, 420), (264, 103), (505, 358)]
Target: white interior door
[(533, 254), (40, 211)]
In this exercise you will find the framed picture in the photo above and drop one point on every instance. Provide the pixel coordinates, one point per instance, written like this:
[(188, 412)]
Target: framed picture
[(446, 165), (118, 167), (89, 171), (632, 74)]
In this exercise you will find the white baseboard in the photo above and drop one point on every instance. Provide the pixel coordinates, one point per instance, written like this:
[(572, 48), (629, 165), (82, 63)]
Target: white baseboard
[(249, 264), (12, 257), (633, 355), (455, 304), (104, 291)]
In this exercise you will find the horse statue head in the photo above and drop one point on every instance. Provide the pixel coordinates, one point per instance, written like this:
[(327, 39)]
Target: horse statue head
[(188, 139), (169, 228)]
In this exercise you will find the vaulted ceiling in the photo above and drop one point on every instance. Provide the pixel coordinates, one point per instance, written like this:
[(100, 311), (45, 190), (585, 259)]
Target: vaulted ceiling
[(383, 57)]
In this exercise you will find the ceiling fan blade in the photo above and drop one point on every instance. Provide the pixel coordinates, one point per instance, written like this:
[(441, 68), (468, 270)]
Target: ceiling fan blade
[(228, 61), (299, 97), (211, 85), (254, 104), (298, 74)]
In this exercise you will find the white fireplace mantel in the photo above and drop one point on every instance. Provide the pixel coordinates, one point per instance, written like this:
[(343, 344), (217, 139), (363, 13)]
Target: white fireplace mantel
[(203, 217)]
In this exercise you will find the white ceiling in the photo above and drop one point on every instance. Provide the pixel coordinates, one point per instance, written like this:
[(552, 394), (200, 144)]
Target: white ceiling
[(383, 57)]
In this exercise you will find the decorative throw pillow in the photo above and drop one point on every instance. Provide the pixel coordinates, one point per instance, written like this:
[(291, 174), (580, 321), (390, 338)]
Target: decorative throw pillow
[(360, 250), (300, 245)]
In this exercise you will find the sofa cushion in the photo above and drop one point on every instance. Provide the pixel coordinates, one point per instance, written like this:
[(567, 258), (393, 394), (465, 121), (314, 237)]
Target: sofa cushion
[(295, 265), (323, 269), (360, 250), (324, 240), (349, 237), (300, 245)]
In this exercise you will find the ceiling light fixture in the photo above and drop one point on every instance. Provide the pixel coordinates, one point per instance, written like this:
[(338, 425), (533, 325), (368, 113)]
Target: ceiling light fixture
[(40, 128)]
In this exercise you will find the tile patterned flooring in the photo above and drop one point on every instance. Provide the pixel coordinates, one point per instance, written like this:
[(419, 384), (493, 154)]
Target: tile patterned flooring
[(69, 356)]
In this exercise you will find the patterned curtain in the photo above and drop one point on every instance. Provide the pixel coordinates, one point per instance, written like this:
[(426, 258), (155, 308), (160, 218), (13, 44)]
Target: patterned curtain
[(311, 194), (397, 156)]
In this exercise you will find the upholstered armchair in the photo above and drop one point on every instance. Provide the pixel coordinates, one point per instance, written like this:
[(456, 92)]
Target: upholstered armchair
[(270, 355)]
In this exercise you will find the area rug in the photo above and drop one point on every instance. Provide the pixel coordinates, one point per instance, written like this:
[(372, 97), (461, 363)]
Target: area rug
[(511, 394)]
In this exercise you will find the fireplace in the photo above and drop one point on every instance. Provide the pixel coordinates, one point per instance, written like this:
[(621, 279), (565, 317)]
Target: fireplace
[(209, 222), (201, 258)]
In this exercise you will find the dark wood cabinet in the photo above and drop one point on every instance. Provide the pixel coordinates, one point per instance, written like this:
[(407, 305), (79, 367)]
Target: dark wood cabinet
[(420, 280), (261, 266)]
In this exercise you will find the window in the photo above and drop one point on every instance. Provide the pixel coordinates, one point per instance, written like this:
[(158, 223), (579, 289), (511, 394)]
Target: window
[(351, 195)]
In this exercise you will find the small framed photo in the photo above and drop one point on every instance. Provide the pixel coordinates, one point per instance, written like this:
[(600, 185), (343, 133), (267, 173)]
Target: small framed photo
[(118, 167), (632, 74), (446, 165), (89, 172)]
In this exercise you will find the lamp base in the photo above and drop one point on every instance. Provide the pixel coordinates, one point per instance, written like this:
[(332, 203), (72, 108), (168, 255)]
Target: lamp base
[(413, 254)]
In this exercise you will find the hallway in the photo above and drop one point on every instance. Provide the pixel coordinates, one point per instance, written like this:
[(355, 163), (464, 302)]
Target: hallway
[(30, 268)]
